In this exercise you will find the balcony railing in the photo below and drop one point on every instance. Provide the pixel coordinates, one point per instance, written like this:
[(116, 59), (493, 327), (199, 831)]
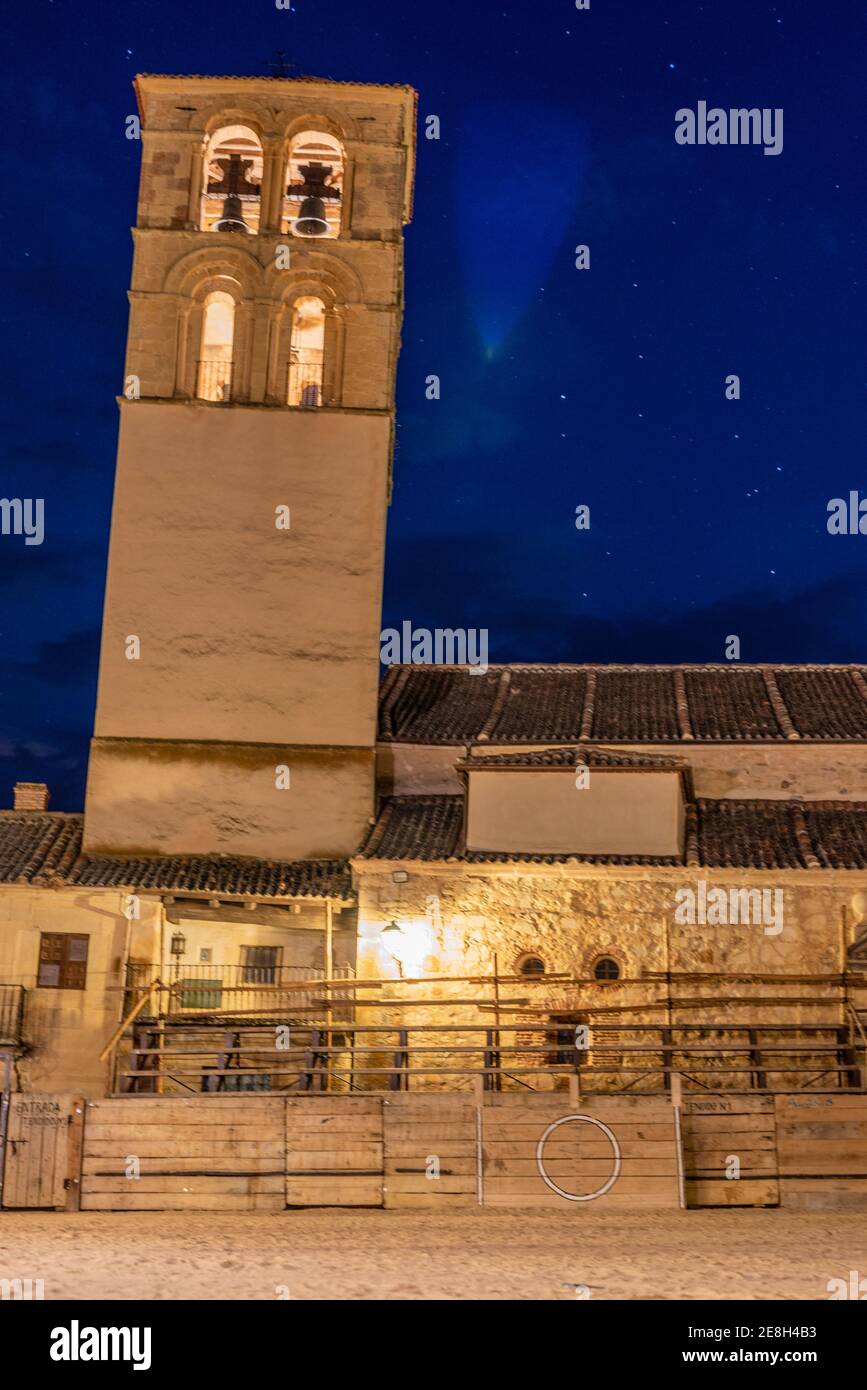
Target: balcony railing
[(306, 375), (11, 1013), (242, 991), (214, 380)]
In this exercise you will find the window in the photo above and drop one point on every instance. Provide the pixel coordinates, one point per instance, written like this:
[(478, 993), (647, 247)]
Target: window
[(531, 965), (606, 969), (307, 352), (62, 961), (314, 186), (215, 361), (232, 181), (259, 964)]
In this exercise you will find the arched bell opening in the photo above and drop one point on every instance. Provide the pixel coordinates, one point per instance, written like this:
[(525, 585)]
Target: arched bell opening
[(232, 183), (313, 198)]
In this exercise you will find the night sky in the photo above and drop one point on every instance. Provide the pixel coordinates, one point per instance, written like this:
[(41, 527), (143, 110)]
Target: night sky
[(560, 387)]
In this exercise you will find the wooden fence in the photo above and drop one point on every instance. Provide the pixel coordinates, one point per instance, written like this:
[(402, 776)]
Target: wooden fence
[(443, 1151)]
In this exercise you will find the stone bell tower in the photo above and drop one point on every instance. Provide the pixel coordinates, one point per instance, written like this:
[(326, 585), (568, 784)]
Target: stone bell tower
[(239, 665)]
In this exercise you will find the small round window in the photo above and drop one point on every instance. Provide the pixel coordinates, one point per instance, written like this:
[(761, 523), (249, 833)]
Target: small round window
[(606, 969), (531, 965)]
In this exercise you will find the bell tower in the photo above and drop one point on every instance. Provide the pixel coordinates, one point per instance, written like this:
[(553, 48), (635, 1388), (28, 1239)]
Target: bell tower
[(239, 665)]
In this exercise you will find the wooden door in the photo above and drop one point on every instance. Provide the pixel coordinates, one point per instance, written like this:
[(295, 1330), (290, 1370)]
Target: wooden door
[(43, 1151)]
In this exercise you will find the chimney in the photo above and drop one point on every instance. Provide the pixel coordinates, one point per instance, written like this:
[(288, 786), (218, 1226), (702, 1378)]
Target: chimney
[(30, 796)]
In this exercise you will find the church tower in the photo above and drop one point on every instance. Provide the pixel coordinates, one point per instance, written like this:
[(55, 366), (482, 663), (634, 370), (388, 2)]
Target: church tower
[(239, 665)]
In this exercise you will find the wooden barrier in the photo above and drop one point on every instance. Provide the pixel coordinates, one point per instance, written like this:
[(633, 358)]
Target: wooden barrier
[(579, 1156), (208, 1153), (729, 1150), (334, 1151), (431, 1151), (448, 1151), (822, 1145)]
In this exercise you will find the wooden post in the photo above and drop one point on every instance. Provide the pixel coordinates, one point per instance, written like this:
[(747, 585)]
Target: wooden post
[(74, 1150), (329, 975), (496, 1082), (677, 1102), (574, 1089)]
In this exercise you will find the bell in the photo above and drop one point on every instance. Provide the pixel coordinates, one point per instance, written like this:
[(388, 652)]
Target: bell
[(311, 219), (232, 219), (234, 171)]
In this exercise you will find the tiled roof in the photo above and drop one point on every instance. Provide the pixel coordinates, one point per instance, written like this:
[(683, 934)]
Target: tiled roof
[(45, 848), (582, 755), (721, 834), (623, 704)]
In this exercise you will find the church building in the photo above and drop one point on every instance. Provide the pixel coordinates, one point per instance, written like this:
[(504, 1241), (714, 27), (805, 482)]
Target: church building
[(658, 846)]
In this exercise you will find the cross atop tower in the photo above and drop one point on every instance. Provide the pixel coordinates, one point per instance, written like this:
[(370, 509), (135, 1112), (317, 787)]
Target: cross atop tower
[(279, 66)]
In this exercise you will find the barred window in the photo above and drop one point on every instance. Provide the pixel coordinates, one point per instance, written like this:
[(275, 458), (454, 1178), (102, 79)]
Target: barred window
[(260, 964)]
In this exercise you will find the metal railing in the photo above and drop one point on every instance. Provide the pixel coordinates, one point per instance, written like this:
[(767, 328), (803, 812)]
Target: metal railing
[(306, 376), (12, 999), (214, 379)]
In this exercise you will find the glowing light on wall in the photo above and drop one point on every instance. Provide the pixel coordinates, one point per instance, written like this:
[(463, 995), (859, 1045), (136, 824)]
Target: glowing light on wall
[(410, 943)]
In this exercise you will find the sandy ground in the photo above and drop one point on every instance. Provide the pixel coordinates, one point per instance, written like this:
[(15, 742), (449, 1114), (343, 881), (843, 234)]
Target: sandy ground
[(488, 1254)]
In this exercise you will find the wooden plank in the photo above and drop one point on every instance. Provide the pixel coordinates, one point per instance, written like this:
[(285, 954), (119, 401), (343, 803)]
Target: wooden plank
[(632, 1186), (203, 1110), (428, 1134), (369, 1157), (416, 1200), (611, 1200), (561, 1148), (817, 1159), (187, 1183), (757, 1123), (123, 1136), (362, 1129), (716, 1160), (727, 1105), (97, 1150), (801, 1103), (831, 1194), (600, 1106), (448, 1148), (741, 1192), (182, 1201), (661, 1133), (400, 1169), (789, 1131), (334, 1192), (571, 1175), (444, 1185), (116, 1167)]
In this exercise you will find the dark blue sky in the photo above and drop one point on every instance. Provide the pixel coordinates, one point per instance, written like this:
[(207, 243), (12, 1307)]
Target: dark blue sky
[(559, 386)]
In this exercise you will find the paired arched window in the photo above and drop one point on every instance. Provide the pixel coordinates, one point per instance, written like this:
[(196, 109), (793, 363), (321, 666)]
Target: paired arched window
[(312, 183), (215, 366), (307, 352), (313, 192), (232, 182)]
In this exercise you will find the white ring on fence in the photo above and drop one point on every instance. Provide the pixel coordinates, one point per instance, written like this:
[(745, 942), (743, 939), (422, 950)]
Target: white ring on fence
[(606, 1186)]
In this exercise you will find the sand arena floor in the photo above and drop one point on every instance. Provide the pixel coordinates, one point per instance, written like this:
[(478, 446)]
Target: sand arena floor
[(370, 1254)]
